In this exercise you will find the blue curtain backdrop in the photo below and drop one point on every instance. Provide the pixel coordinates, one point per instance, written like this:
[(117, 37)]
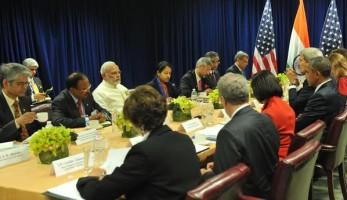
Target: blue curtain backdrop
[(66, 36)]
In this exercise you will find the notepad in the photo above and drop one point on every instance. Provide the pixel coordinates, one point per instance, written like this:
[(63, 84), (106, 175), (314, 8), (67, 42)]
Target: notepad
[(65, 191)]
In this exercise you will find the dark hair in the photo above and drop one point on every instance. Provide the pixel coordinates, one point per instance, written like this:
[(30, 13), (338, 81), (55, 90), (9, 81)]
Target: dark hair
[(341, 51), (145, 108), (72, 79), (265, 85), (211, 54), (322, 65), (162, 64)]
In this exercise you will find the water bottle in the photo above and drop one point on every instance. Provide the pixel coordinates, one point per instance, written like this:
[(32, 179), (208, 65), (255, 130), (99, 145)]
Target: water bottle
[(49, 124), (194, 95)]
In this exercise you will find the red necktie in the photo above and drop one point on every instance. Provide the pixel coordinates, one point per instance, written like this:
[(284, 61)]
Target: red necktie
[(24, 131), (200, 87), (79, 107)]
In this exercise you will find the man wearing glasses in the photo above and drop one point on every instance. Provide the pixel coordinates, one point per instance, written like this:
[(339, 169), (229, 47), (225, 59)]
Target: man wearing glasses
[(214, 75), (16, 119), (75, 105)]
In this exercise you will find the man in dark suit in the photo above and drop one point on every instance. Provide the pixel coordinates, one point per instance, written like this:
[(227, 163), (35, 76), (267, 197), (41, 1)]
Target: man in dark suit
[(214, 75), (249, 137), (241, 62), (197, 78), (299, 91), (35, 89), (325, 103), (16, 119), (75, 106), (163, 166)]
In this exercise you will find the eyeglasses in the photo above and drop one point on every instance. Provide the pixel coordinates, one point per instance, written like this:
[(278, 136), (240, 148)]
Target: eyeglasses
[(20, 83)]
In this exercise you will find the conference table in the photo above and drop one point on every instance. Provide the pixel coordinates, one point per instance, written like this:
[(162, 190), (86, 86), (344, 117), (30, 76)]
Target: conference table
[(29, 180)]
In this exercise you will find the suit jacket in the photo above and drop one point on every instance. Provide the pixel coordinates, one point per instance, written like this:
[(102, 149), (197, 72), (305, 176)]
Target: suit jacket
[(256, 145), (188, 83), (213, 78), (325, 104), (298, 99), (8, 129), (234, 69), (173, 92), (65, 111), (283, 117), (38, 82), (164, 166)]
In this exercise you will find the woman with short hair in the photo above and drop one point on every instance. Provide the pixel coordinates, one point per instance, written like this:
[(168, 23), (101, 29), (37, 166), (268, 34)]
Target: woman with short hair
[(267, 90), (163, 166)]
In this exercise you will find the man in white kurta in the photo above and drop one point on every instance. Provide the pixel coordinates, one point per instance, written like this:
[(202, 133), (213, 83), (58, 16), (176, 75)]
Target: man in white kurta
[(110, 94)]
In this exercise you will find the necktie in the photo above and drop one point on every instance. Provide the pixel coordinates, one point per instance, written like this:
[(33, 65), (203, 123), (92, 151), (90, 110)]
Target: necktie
[(24, 132), (79, 107), (34, 86), (200, 87)]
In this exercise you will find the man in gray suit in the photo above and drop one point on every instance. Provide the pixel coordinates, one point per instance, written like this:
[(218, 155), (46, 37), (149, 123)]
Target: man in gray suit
[(249, 137)]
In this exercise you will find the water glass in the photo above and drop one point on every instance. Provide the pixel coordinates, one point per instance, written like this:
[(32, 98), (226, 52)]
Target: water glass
[(87, 159)]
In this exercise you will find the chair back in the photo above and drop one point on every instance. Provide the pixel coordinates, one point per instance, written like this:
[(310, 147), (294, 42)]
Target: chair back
[(313, 131), (222, 186), (292, 177), (337, 136)]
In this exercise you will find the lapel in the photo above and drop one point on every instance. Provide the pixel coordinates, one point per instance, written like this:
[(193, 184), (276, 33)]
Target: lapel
[(71, 102), (195, 84), (6, 108)]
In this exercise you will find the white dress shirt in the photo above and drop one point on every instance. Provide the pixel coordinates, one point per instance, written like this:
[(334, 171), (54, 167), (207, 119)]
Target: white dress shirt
[(110, 97)]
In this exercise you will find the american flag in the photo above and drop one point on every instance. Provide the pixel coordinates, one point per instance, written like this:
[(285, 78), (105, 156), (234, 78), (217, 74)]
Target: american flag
[(331, 36), (264, 57)]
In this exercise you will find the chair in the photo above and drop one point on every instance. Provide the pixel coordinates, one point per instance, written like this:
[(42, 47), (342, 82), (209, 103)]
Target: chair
[(222, 186), (333, 152), (292, 177), (313, 131)]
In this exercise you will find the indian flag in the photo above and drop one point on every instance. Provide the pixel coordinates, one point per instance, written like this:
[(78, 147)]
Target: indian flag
[(299, 38)]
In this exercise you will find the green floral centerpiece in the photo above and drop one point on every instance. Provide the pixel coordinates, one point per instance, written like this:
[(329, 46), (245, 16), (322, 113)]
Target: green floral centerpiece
[(181, 108), (284, 81), (214, 98), (127, 128), (51, 143)]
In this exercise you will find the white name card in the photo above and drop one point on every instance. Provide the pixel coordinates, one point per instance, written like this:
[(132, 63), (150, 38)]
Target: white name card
[(6, 145), (16, 154), (86, 136), (68, 165), (192, 125)]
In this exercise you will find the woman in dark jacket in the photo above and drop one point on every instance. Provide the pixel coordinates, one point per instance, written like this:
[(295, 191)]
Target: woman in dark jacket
[(163, 166), (161, 81)]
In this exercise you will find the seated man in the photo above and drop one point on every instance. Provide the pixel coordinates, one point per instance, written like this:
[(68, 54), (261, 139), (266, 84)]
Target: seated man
[(197, 78), (16, 120), (299, 91), (240, 65), (35, 89), (325, 103), (249, 137), (214, 75), (110, 94), (75, 106)]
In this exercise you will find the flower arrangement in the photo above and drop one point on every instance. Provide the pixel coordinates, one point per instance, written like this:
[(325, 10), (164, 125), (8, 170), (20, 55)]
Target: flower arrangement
[(181, 108), (284, 81), (127, 128), (214, 98), (51, 143)]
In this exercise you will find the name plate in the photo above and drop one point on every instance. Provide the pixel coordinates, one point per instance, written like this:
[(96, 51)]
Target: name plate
[(192, 125), (6, 145), (16, 154), (86, 136), (68, 165)]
